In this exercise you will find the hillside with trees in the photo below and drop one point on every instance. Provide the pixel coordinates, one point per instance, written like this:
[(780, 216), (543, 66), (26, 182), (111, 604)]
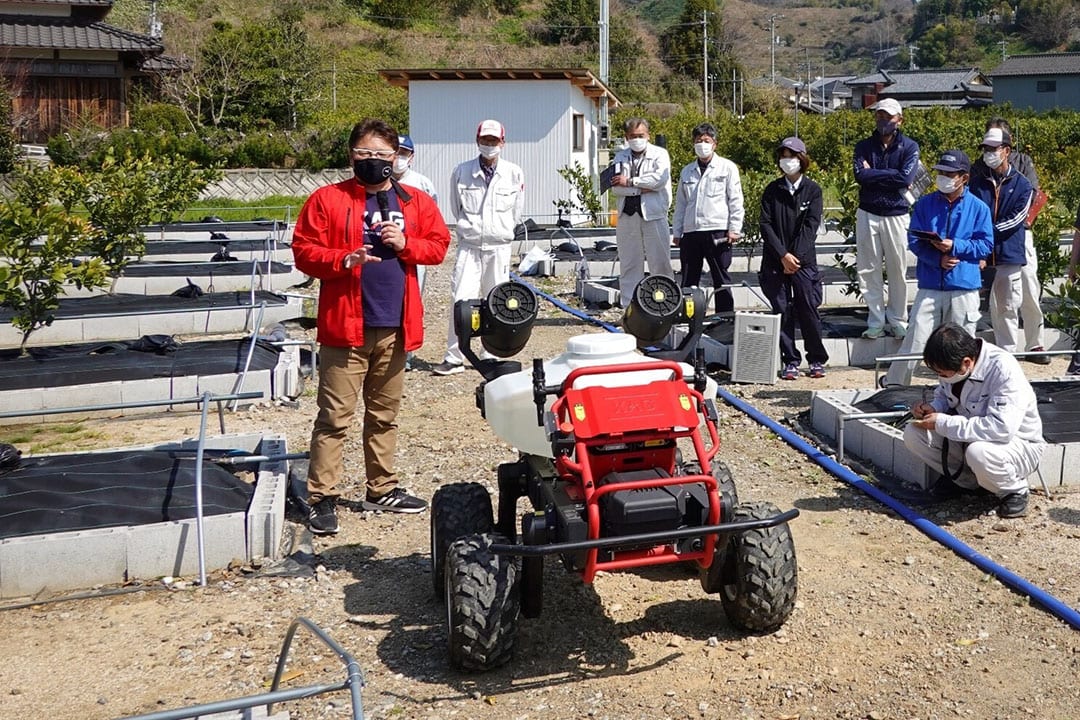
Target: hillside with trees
[(276, 84)]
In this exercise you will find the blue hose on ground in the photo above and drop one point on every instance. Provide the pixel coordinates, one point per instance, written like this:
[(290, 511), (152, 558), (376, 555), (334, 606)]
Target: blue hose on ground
[(564, 307), (928, 528), (1006, 576)]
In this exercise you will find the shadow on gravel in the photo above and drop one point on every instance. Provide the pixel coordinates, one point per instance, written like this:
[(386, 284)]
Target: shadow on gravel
[(940, 512), (573, 639), (1065, 516), (785, 397)]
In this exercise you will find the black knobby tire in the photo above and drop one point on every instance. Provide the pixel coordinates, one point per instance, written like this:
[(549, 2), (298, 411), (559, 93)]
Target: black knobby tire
[(759, 576), (456, 511), (482, 603)]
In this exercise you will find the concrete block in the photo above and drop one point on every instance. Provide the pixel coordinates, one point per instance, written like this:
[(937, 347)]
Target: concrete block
[(604, 291), (878, 442), (1070, 465), (143, 391), (853, 438), (863, 353), (106, 393), (909, 467), (172, 548), (826, 406), (62, 561), (27, 399), (838, 351), (169, 323), (266, 513), (108, 328)]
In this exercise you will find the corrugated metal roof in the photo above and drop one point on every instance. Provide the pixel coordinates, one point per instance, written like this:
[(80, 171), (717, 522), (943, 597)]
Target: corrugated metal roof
[(67, 34), (1039, 64), (589, 84)]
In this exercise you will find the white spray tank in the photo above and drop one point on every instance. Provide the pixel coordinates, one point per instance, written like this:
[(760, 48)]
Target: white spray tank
[(508, 400)]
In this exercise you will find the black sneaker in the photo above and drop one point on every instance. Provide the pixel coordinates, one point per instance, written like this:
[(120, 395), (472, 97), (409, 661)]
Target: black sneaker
[(397, 500), (323, 517), (1013, 505), (1038, 359), (1074, 365)]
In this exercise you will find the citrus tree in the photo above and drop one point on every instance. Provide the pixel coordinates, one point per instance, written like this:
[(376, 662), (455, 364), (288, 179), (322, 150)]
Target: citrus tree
[(40, 242), (129, 193)]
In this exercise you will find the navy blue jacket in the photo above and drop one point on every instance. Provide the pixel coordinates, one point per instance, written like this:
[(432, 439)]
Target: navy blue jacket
[(789, 223), (1009, 199), (892, 170)]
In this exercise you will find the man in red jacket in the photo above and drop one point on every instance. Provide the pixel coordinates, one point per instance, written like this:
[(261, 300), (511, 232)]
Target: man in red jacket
[(363, 238)]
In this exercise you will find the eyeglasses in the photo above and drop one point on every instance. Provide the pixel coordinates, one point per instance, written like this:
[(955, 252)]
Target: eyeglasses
[(365, 153)]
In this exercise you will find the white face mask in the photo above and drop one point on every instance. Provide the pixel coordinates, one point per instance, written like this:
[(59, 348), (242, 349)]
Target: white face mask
[(992, 158), (958, 377), (489, 151), (790, 166), (637, 144), (401, 164), (946, 184), (703, 149)]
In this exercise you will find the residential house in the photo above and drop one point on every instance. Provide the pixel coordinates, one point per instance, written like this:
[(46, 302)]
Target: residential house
[(1044, 81), (62, 65), (954, 88), (552, 119)]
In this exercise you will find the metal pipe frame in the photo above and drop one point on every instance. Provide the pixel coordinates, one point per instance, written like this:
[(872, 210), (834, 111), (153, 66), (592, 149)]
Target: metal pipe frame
[(239, 384), (354, 683)]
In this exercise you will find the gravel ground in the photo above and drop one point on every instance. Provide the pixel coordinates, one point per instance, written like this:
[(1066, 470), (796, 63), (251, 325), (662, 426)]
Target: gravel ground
[(888, 624)]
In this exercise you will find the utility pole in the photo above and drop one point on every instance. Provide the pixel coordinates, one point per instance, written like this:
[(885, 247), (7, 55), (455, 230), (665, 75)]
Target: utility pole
[(705, 52), (155, 23), (772, 46), (1004, 49), (911, 56), (604, 63)]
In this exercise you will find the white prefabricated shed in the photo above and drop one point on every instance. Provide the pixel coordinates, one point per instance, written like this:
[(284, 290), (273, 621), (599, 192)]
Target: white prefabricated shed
[(551, 118)]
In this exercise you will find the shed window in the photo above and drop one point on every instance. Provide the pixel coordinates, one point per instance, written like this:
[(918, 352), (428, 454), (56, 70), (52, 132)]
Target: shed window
[(1046, 86), (579, 132)]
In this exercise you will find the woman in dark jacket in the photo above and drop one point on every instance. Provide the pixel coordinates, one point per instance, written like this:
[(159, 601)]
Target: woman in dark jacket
[(791, 209)]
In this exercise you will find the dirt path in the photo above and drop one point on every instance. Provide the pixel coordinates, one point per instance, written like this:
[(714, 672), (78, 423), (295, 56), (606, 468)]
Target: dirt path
[(888, 623)]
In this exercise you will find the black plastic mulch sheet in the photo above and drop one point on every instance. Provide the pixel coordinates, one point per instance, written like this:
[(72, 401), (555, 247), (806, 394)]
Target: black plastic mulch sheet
[(114, 489), (1059, 406), (218, 226), (64, 365), (210, 247), (123, 303), (201, 269)]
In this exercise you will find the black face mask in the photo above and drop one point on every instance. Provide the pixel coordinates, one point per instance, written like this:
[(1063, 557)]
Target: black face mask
[(372, 171)]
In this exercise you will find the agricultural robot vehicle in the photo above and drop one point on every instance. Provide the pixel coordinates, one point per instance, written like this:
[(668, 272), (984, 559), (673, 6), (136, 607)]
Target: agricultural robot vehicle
[(598, 430)]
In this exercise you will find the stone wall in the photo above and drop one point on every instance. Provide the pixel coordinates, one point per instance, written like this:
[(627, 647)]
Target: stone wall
[(255, 184), (252, 184)]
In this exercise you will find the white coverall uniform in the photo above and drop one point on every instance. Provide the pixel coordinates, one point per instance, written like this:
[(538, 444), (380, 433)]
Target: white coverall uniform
[(486, 216), (994, 426)]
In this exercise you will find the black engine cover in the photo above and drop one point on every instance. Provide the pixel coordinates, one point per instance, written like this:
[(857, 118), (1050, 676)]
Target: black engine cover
[(631, 512)]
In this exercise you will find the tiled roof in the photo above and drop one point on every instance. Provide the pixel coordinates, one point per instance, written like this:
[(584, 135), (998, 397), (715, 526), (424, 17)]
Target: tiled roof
[(909, 82), (66, 34), (930, 81), (1039, 64)]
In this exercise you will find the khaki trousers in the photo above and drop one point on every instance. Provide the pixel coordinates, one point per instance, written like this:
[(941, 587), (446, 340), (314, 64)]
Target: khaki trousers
[(377, 370)]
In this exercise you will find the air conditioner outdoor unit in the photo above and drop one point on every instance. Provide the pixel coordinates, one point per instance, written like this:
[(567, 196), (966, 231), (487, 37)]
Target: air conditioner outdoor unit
[(755, 357)]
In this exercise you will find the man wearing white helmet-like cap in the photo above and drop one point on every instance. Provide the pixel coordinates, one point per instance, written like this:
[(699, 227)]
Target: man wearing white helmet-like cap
[(487, 198), (886, 164)]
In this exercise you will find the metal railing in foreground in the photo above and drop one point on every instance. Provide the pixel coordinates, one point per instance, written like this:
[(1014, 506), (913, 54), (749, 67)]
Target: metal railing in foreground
[(353, 682)]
